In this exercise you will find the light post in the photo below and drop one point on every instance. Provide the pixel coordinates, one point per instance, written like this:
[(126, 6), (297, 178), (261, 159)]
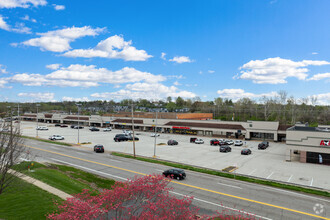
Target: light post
[(78, 105), (155, 134), (10, 142), (133, 129), (37, 120)]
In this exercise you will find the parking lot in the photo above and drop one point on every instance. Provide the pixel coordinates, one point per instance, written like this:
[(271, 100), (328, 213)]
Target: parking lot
[(268, 164)]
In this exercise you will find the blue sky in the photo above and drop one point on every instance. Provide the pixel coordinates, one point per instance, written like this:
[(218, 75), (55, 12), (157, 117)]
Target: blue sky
[(102, 50)]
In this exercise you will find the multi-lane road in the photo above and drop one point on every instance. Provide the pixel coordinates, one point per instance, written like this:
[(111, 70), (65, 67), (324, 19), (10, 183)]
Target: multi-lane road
[(210, 193)]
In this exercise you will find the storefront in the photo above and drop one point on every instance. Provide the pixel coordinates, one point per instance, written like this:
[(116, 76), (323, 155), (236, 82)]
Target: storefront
[(183, 130)]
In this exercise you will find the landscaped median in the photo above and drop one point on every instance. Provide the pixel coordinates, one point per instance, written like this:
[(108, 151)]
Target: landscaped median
[(47, 141), (226, 174)]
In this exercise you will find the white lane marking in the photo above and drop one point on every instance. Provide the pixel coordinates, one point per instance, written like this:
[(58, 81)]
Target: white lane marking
[(312, 182), (222, 206), (270, 175), (81, 153), (252, 172), (290, 178), (85, 168), (159, 170), (230, 185)]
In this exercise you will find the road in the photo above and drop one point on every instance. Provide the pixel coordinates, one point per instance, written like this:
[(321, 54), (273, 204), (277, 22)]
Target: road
[(210, 193)]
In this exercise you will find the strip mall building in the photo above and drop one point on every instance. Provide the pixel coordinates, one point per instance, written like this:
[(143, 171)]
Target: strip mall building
[(304, 144)]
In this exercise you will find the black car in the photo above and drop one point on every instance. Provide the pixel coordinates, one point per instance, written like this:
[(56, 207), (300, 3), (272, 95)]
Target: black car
[(172, 142), (192, 140), (263, 145), (57, 125), (72, 126), (94, 129), (78, 127), (225, 148), (64, 126), (99, 148), (119, 138), (175, 173), (214, 142), (246, 151), (130, 138)]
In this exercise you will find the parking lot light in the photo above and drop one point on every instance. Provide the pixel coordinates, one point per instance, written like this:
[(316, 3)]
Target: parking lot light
[(37, 121), (78, 105)]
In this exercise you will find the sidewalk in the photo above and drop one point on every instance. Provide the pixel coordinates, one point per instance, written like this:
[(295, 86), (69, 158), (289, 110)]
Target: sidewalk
[(41, 185)]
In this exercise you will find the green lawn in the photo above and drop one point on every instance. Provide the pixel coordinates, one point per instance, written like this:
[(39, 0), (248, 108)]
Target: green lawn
[(65, 178), (26, 201)]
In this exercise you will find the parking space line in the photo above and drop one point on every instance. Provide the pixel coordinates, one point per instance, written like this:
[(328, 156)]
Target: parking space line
[(312, 182), (230, 185), (270, 175), (290, 178)]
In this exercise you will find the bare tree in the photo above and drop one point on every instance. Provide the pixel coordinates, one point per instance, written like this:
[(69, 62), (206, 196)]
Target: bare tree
[(11, 151)]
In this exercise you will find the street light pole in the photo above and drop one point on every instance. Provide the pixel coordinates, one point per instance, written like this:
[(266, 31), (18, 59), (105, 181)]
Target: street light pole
[(78, 120), (155, 135), (37, 120), (133, 129)]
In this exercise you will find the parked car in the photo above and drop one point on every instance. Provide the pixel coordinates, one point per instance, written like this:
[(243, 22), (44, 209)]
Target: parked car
[(72, 126), (222, 143), (199, 141), (225, 148), (130, 138), (238, 143), (127, 132), (57, 125), (246, 151), (120, 137), (94, 129), (263, 145), (175, 173), (214, 142), (229, 142), (172, 142), (192, 140), (42, 128), (78, 127), (64, 126), (56, 137), (99, 148), (107, 129), (154, 135)]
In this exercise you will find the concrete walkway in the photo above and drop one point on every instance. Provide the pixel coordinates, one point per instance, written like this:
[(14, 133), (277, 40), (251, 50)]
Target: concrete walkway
[(41, 185)]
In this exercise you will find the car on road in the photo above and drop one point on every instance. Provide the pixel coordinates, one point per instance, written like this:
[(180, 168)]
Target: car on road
[(56, 137), (175, 173), (238, 143), (214, 142), (120, 137), (57, 125), (263, 145), (42, 128), (99, 148), (154, 135), (246, 151), (172, 142), (64, 126), (225, 149), (199, 141), (229, 142), (107, 129), (94, 129)]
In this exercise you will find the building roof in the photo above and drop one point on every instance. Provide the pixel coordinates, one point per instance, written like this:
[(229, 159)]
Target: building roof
[(76, 118), (302, 128), (206, 125), (283, 127), (48, 115), (30, 115), (127, 121)]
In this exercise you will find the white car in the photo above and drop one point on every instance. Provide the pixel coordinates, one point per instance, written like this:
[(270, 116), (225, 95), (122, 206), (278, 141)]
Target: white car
[(230, 142), (56, 137), (154, 135), (199, 141), (42, 128), (127, 132), (238, 143), (107, 129)]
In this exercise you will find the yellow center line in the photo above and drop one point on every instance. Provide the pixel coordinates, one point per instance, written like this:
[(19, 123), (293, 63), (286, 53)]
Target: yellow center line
[(188, 185)]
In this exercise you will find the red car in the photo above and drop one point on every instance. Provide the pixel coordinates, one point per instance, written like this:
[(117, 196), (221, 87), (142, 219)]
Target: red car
[(214, 142)]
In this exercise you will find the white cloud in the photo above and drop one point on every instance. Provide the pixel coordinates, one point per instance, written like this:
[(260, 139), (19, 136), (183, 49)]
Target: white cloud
[(54, 66), (114, 47), (22, 3), (39, 96), (3, 24), (71, 99), (59, 7), (3, 69), (27, 18), (163, 56), (59, 40), (314, 53), (201, 72), (236, 94), (276, 70), (320, 76), (3, 82), (211, 71), (322, 99), (85, 76), (181, 59), (176, 83), (154, 91), (176, 76)]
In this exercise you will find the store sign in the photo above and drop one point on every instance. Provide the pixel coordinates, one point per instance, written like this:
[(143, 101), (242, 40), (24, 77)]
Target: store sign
[(325, 143), (175, 127)]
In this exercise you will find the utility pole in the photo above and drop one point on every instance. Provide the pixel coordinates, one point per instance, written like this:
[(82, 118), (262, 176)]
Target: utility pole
[(78, 120), (10, 142), (155, 135), (37, 120), (133, 129)]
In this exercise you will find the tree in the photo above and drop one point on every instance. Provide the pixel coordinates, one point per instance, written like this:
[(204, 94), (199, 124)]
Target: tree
[(179, 102), (169, 99), (11, 151)]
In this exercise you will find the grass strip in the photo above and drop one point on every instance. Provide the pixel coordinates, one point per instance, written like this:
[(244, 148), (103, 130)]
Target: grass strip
[(47, 141), (23, 200), (227, 175), (65, 178)]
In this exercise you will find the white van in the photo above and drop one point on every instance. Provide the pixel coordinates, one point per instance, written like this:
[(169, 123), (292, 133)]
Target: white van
[(42, 128)]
